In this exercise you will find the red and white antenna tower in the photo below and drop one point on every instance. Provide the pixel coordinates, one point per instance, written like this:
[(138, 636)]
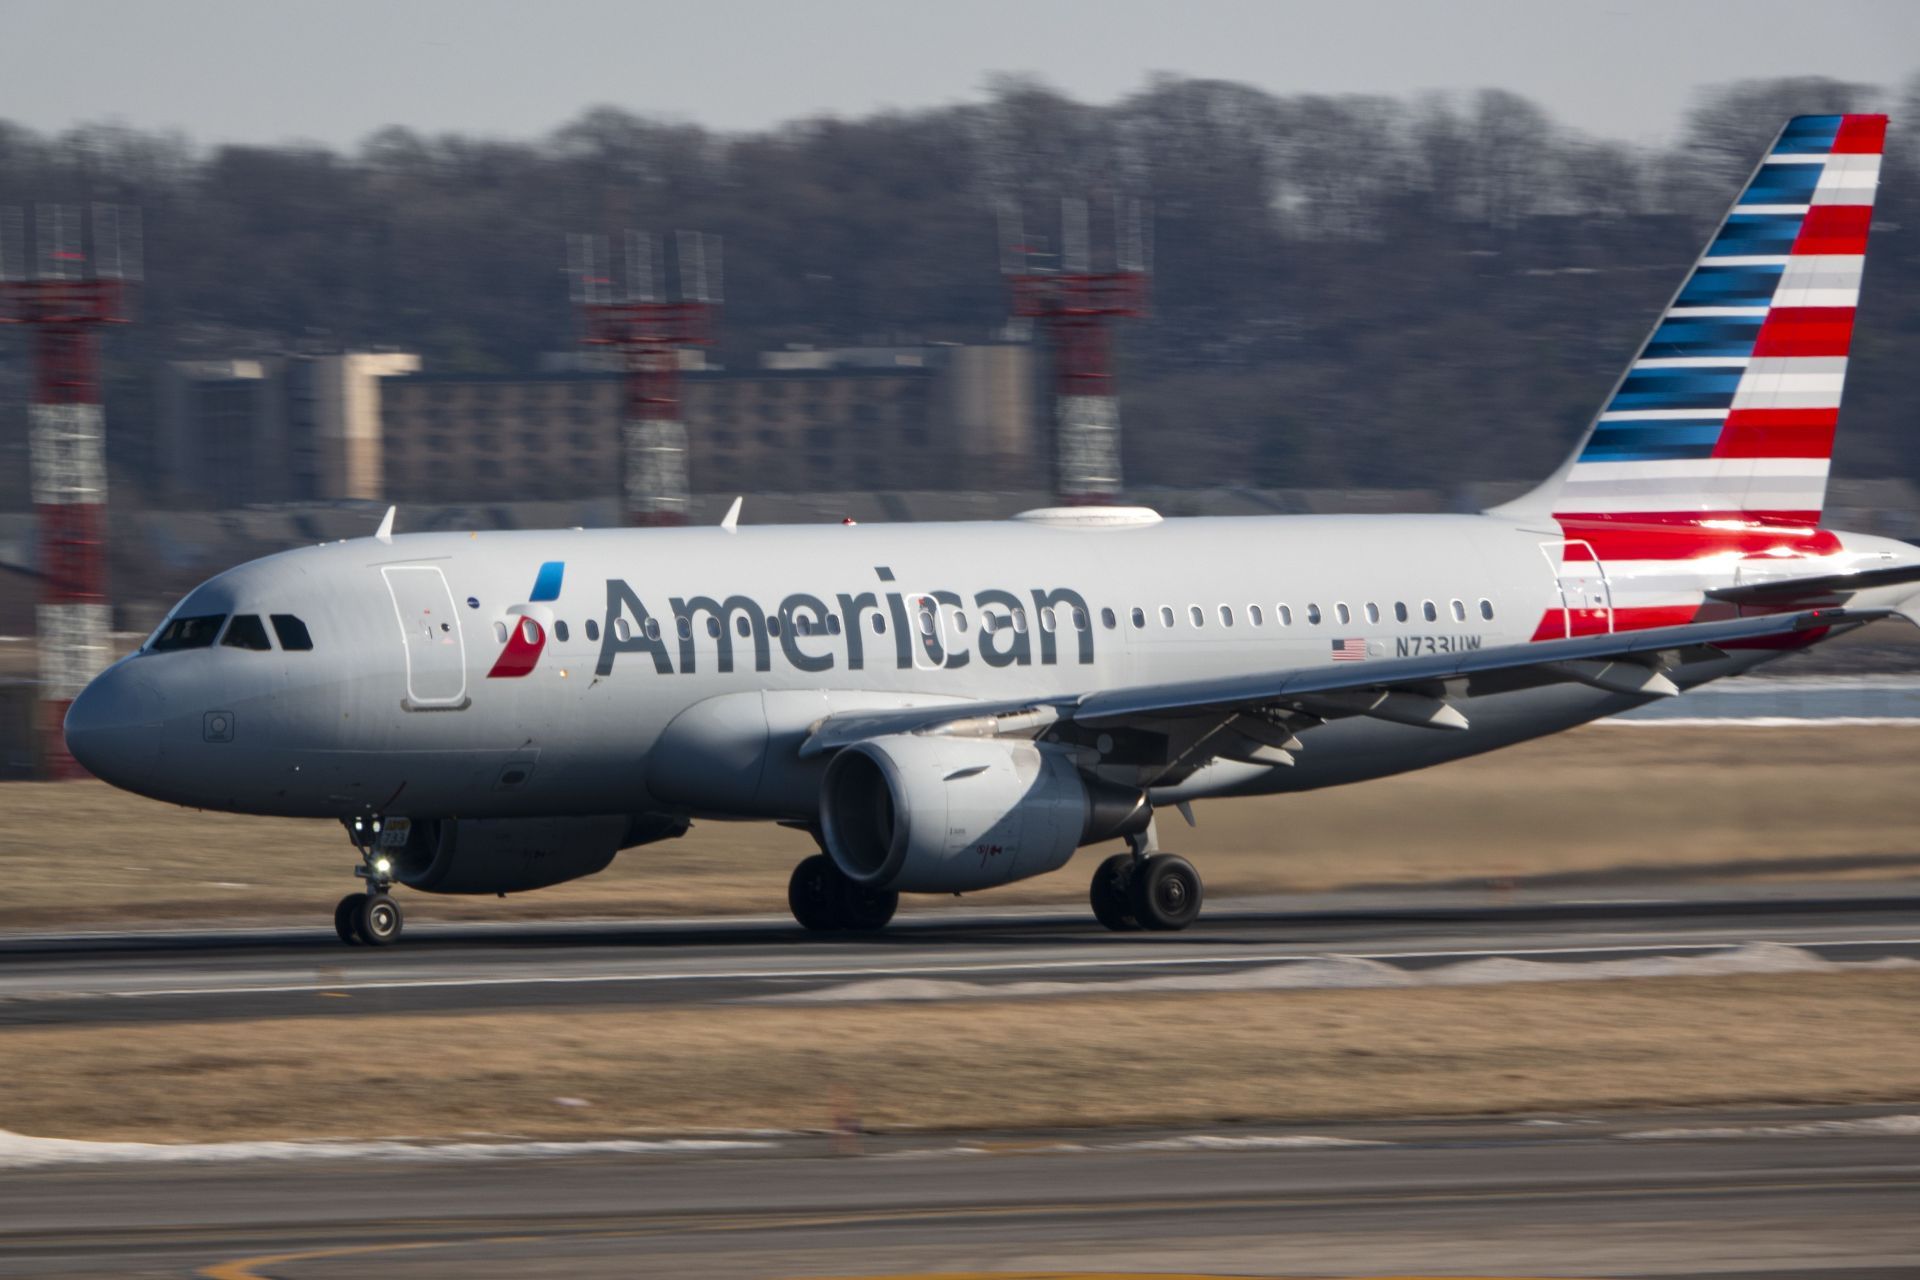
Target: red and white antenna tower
[(648, 326), (1077, 306), (74, 284)]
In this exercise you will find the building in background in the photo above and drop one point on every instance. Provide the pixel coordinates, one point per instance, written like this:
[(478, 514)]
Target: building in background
[(944, 417), (296, 428), (371, 425)]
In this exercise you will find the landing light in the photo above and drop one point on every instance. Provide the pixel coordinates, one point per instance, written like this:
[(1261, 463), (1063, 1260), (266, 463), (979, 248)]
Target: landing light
[(382, 865)]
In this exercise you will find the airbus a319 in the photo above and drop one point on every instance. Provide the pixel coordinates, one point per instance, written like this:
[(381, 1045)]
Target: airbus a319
[(951, 707)]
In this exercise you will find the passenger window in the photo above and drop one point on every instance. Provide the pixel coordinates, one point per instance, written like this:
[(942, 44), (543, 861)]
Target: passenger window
[(742, 627), (959, 620), (803, 625), (246, 631), (1139, 617), (499, 633), (652, 628), (1428, 612), (1486, 610), (1254, 617), (1166, 615), (1226, 615), (1286, 615), (684, 625), (1399, 610), (1108, 620), (773, 624), (1343, 613), (1373, 612), (1197, 615), (188, 633), (1047, 622), (560, 632), (1313, 615), (593, 630), (623, 629), (1459, 611), (833, 624), (1020, 621), (292, 632), (530, 631), (879, 624), (1080, 620)]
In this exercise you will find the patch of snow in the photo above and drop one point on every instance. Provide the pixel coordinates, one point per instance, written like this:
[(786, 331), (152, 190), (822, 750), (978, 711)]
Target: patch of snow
[(19, 1151)]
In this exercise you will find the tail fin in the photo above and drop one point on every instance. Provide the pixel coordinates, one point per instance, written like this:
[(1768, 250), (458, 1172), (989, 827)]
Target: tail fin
[(1728, 413)]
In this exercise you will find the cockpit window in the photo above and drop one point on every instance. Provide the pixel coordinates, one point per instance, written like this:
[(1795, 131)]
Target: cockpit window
[(188, 633), (292, 632), (246, 631)]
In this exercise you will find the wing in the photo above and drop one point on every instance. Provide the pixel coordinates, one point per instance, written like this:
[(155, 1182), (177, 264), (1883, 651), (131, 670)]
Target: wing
[(1256, 717)]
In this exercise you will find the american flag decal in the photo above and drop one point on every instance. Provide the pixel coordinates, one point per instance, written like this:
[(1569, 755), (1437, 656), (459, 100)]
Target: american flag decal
[(1349, 650)]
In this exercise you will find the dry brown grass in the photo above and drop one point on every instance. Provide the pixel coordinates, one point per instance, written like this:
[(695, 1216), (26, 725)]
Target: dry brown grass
[(1083, 1061), (1706, 803)]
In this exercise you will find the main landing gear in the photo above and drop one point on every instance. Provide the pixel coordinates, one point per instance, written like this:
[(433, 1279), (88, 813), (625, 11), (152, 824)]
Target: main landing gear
[(824, 900), (1144, 890), (371, 918)]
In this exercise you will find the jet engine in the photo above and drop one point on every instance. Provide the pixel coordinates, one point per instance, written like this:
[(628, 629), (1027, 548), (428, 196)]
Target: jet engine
[(512, 855), (933, 814)]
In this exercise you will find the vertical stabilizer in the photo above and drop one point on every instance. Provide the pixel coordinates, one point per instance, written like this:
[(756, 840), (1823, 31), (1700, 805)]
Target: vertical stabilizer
[(1726, 416)]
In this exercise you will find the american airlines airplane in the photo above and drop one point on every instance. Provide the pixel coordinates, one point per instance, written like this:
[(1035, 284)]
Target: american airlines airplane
[(950, 707)]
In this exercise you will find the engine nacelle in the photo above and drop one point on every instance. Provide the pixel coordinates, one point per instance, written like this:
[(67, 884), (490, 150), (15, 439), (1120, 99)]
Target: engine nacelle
[(933, 814), (512, 855)]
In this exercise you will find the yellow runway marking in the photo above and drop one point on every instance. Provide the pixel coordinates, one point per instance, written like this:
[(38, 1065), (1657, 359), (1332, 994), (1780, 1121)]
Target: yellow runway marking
[(250, 1268)]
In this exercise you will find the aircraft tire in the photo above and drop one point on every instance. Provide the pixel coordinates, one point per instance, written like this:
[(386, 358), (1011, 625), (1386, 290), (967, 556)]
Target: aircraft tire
[(1112, 904), (378, 920), (346, 917), (1166, 893), (816, 895), (865, 910)]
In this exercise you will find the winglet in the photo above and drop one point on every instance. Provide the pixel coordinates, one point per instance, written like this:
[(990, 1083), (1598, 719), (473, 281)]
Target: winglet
[(731, 520), (385, 531)]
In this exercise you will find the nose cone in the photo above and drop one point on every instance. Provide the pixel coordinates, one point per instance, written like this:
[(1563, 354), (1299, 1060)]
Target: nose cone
[(113, 728)]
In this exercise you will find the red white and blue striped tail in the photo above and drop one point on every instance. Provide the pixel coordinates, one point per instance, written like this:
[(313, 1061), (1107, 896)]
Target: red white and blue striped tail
[(1725, 419)]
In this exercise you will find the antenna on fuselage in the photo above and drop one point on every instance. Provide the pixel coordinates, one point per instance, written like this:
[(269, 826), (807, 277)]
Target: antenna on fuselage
[(731, 520), (385, 531)]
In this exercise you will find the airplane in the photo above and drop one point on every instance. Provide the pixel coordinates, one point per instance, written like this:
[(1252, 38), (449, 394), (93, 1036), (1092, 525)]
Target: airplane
[(951, 707)]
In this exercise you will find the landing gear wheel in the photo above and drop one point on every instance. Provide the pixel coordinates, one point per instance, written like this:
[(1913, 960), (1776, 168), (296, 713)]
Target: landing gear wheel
[(346, 918), (1112, 903), (866, 910), (824, 900), (1166, 892), (378, 919), (813, 894)]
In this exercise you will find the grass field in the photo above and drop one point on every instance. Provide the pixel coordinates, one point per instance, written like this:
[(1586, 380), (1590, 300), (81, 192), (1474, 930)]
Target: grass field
[(1100, 1060), (1687, 803)]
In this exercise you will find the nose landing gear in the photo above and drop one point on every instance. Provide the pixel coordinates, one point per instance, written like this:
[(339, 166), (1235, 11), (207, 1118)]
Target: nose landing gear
[(371, 918)]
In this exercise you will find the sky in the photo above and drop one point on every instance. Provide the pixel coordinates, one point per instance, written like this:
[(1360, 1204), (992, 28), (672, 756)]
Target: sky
[(334, 72)]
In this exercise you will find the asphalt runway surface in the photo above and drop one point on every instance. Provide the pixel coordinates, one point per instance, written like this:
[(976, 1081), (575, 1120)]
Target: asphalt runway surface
[(1794, 1196), (253, 973), (1753, 1196)]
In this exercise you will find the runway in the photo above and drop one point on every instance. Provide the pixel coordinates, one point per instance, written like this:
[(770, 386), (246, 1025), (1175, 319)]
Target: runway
[(1802, 1195), (251, 973)]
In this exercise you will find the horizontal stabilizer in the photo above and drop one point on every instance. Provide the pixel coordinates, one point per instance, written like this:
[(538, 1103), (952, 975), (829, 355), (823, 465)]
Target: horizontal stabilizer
[(1783, 589)]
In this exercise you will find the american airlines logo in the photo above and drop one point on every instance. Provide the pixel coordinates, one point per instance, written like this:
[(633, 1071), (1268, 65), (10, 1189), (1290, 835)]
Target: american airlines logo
[(526, 637), (929, 630)]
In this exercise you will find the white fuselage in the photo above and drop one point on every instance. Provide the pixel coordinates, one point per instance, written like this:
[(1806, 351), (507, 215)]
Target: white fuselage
[(630, 703)]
